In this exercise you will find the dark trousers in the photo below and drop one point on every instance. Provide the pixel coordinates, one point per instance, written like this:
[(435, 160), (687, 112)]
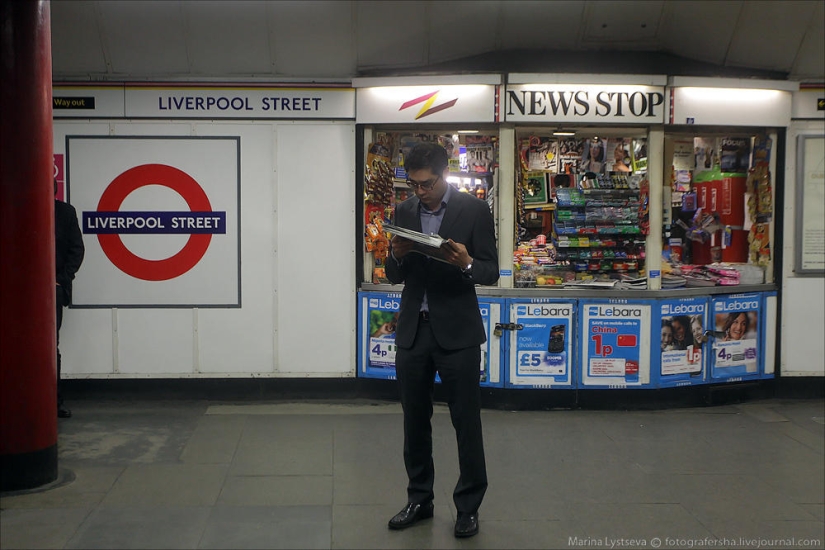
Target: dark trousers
[(459, 370), (61, 303)]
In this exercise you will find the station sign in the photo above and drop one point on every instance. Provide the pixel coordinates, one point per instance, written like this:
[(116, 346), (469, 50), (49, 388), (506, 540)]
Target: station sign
[(240, 103), (160, 219)]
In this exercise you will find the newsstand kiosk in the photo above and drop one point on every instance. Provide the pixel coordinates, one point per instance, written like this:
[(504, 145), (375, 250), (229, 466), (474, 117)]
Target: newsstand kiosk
[(635, 222)]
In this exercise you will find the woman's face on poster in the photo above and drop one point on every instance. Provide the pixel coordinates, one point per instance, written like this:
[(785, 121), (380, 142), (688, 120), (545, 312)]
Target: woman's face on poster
[(738, 327), (678, 330)]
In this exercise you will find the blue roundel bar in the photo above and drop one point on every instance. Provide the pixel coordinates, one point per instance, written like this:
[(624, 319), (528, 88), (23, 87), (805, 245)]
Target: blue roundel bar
[(157, 223)]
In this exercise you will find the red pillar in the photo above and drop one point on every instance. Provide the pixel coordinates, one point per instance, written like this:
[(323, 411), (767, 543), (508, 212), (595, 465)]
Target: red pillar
[(28, 363)]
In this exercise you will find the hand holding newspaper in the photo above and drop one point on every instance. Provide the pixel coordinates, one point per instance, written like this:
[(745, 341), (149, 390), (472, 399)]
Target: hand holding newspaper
[(427, 245)]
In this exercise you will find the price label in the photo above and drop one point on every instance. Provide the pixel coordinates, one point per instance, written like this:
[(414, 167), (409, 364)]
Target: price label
[(535, 362), (382, 352)]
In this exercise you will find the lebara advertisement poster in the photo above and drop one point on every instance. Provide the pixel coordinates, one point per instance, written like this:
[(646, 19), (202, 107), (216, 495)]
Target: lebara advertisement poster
[(490, 375), (378, 315), (682, 357), (615, 343), (541, 343), (735, 351)]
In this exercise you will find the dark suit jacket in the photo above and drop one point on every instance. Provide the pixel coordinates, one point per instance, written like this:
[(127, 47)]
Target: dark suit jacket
[(68, 244), (451, 295)]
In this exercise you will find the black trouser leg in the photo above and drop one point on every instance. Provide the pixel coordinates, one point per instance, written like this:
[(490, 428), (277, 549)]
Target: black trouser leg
[(60, 300), (416, 376), (460, 372)]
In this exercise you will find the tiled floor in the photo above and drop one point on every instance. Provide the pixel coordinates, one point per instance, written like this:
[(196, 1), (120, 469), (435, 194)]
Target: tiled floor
[(197, 474)]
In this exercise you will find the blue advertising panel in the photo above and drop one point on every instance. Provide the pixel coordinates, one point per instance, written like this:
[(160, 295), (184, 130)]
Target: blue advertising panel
[(736, 347), (615, 343), (541, 338), (681, 359), (770, 307), (491, 351), (377, 316)]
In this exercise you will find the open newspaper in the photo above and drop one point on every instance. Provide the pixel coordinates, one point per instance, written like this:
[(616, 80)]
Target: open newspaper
[(427, 245)]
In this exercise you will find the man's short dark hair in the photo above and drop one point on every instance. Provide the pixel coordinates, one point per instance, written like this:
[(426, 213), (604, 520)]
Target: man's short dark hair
[(427, 155)]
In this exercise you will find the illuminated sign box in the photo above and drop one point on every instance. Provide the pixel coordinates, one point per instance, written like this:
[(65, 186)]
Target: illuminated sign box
[(731, 102)]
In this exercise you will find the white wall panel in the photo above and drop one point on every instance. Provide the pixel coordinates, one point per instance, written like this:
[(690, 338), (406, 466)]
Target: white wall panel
[(155, 341), (313, 39), (242, 340), (682, 22), (145, 37), (315, 253), (76, 36), (86, 342), (214, 47), (803, 298), (392, 34), (528, 24), (761, 19), (138, 128), (803, 310), (623, 22), (810, 59), (462, 29)]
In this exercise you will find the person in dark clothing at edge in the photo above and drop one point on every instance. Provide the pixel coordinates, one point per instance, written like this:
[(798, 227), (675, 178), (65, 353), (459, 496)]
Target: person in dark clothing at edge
[(440, 329), (69, 252)]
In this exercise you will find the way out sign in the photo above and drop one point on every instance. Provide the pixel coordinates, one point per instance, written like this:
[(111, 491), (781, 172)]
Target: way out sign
[(160, 220)]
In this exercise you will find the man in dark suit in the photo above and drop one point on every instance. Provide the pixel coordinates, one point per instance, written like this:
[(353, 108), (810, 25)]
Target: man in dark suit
[(69, 252), (440, 330)]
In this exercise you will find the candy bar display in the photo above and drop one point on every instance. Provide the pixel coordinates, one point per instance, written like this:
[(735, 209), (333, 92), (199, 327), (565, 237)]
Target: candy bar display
[(472, 161), (581, 211)]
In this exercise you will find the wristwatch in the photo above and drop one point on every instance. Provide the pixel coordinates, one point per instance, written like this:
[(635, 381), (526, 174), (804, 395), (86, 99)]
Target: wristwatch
[(468, 269)]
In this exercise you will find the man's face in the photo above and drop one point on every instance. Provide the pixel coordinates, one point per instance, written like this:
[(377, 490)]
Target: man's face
[(428, 186)]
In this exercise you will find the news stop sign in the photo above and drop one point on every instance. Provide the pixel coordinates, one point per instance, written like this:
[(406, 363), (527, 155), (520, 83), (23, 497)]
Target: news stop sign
[(109, 222)]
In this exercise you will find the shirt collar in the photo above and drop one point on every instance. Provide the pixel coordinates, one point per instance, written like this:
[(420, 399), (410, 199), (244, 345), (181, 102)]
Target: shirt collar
[(444, 200)]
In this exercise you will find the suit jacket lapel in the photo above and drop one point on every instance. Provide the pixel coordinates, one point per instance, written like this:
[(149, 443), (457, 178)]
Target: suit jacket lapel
[(452, 214), (415, 222)]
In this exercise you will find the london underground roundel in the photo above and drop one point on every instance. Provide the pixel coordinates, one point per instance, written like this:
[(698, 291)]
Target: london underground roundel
[(109, 222)]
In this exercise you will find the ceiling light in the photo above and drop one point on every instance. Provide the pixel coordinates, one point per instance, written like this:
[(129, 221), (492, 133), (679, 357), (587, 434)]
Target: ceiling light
[(561, 132)]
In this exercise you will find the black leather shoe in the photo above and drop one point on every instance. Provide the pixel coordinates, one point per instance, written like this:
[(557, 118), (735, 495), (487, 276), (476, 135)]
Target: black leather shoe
[(466, 525), (411, 514), (63, 412)]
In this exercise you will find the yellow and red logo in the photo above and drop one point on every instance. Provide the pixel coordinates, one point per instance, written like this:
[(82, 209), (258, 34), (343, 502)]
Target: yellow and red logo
[(427, 109)]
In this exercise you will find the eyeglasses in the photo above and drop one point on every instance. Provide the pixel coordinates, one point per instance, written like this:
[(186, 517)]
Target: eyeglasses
[(425, 185)]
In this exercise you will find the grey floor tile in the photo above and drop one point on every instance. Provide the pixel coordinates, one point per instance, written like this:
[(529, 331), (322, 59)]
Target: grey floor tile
[(214, 440), (268, 527), (752, 533), (732, 498), (816, 510), (320, 475), (56, 498), (277, 491), (356, 526), (141, 527), (127, 433), (88, 489), (628, 521), (522, 534), (285, 445), (167, 485), (357, 483), (47, 528)]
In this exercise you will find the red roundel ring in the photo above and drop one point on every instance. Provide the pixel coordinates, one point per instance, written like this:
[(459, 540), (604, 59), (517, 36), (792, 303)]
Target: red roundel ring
[(176, 180)]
